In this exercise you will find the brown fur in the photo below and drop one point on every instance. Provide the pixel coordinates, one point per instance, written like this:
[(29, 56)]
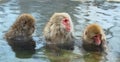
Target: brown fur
[(19, 36), (88, 42), (55, 32), (23, 27)]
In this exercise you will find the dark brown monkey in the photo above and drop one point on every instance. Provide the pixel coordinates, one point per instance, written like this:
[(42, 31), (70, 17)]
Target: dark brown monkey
[(19, 36), (23, 27), (59, 31), (94, 38)]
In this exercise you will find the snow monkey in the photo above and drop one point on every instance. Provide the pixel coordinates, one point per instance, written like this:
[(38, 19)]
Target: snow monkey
[(59, 31), (94, 38), (23, 27), (20, 33)]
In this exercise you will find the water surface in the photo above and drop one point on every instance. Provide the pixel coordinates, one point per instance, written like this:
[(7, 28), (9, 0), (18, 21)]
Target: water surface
[(107, 14)]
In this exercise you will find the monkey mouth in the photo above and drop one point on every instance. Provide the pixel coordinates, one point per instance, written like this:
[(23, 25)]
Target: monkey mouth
[(68, 28), (97, 40)]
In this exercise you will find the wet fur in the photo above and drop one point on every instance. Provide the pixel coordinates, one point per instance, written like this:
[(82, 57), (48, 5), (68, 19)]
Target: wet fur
[(19, 36), (23, 27), (55, 33), (88, 43)]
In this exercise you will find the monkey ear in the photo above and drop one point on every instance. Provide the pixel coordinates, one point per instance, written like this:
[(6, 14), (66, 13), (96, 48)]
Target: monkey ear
[(86, 33)]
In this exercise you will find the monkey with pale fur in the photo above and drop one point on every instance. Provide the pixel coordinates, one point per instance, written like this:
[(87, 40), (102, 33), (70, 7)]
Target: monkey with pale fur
[(59, 30)]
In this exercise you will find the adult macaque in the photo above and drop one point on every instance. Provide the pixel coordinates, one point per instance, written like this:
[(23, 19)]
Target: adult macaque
[(20, 34), (94, 38), (23, 28), (59, 31)]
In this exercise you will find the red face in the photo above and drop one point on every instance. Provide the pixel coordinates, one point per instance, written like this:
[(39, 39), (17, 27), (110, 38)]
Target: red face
[(66, 22), (97, 39)]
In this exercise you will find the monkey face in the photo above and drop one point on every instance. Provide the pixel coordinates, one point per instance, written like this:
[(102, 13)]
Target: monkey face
[(66, 23), (59, 29), (94, 34), (94, 38), (97, 39), (62, 19)]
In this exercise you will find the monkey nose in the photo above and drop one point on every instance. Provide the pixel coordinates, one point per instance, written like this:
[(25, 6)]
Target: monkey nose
[(97, 40)]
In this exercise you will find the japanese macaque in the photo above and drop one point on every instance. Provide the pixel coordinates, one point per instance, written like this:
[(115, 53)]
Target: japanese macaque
[(23, 27), (20, 34), (94, 38), (59, 31)]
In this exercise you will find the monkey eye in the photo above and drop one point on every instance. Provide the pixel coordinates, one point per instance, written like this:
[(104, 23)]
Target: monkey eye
[(65, 20), (98, 35)]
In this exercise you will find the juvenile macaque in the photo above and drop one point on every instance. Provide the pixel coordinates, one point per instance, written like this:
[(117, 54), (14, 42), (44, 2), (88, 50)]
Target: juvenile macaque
[(23, 28), (94, 38), (19, 36), (59, 31)]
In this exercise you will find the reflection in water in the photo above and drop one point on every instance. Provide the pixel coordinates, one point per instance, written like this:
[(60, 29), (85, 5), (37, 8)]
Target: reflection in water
[(23, 48), (69, 56), (64, 56), (93, 57), (106, 14)]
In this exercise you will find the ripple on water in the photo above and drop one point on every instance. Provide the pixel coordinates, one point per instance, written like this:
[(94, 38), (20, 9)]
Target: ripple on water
[(107, 15)]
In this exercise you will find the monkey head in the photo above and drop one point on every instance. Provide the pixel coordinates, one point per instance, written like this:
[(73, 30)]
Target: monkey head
[(94, 34)]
